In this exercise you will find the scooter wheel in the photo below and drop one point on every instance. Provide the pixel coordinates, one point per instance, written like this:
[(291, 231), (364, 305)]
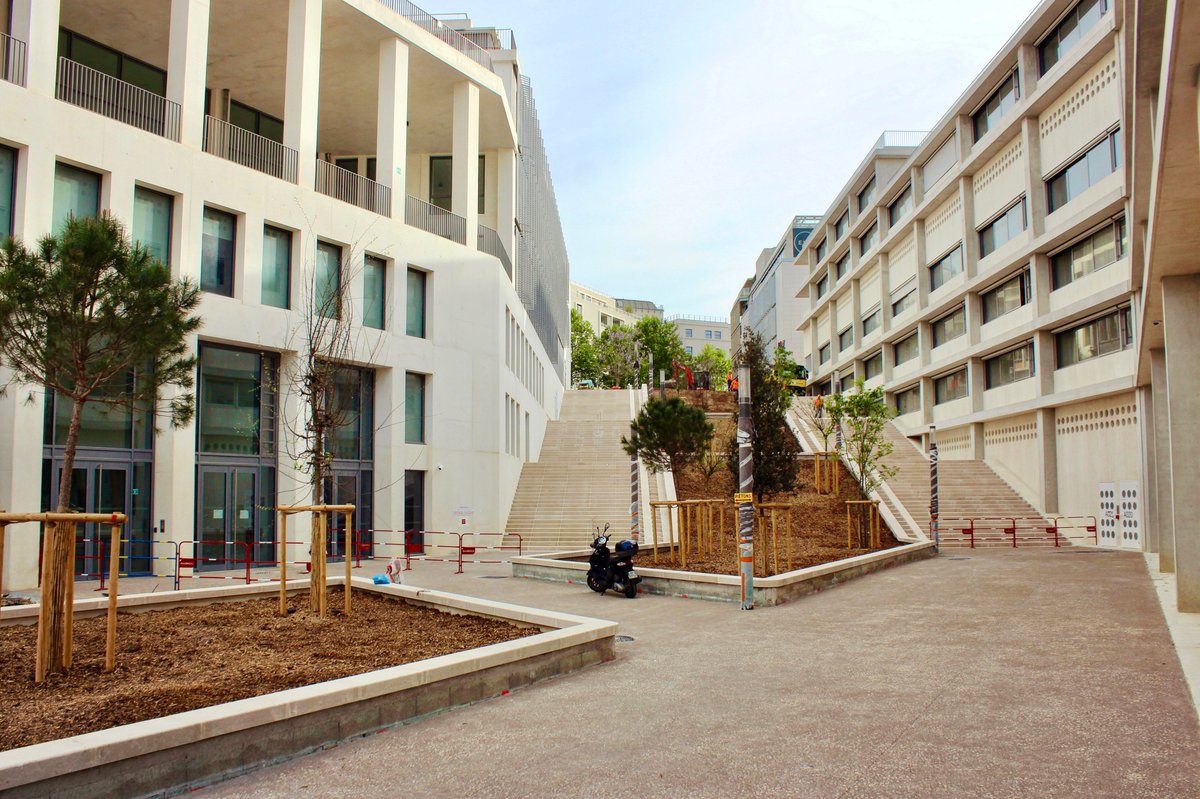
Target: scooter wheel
[(631, 590), (596, 584)]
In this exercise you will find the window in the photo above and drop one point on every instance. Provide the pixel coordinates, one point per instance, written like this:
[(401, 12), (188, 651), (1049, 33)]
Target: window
[(216, 252), (907, 348), (866, 195), (76, 193), (1011, 366), (327, 281), (265, 125), (949, 266), (708, 334), (843, 266), (441, 181), (374, 291), (414, 505), (687, 332), (846, 382), (950, 387), (823, 285), (1008, 296), (1086, 171), (823, 353), (871, 323), (996, 106), (901, 305), (1096, 251), (873, 366), (950, 327), (414, 408), (354, 402), (8, 191), (238, 401), (1005, 227), (717, 335), (908, 400), (846, 339), (1108, 334), (152, 222), (277, 267), (111, 62), (869, 238), (900, 206), (821, 250), (839, 227), (688, 350), (1067, 33)]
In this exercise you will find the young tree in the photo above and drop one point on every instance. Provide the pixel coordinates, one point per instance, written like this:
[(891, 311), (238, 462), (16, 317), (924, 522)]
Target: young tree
[(585, 353), (821, 417), (668, 434), (863, 415), (661, 339), (776, 451), (784, 365), (618, 354), (715, 362), (95, 319)]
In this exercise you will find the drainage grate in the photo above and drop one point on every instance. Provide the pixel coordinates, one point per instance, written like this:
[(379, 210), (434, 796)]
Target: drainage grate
[(958, 558), (624, 639), (493, 577), (1085, 552)]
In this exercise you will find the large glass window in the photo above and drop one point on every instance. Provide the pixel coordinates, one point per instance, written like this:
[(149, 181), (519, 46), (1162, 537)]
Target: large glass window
[(374, 291), (843, 266), (414, 505), (839, 227), (823, 285), (76, 194), (441, 181), (950, 327), (218, 244), (107, 422), (908, 400), (414, 408), (1108, 334), (823, 353), (821, 249), (354, 403), (255, 121), (1067, 33), (996, 106), (866, 195), (1011, 366), (1008, 296), (946, 268), (907, 348), (238, 401), (1005, 227), (871, 322), (277, 267), (152, 222), (900, 206), (414, 312), (1086, 171), (111, 62), (8, 191), (869, 238), (846, 339), (901, 305), (327, 281), (1102, 248), (950, 387), (873, 366)]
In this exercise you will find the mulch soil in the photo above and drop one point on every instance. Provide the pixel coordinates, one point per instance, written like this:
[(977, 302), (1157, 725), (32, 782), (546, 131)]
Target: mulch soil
[(818, 529), (174, 660)]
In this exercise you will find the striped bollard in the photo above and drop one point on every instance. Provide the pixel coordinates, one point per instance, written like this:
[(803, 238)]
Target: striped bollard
[(634, 501), (933, 488), (745, 496)]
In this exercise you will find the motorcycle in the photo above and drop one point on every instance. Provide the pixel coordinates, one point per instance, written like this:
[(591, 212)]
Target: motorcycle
[(612, 569)]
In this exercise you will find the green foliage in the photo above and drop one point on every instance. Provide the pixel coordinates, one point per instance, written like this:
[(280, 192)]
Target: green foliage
[(660, 338), (585, 350), (784, 365), (668, 434), (714, 361), (776, 451), (863, 414), (618, 352)]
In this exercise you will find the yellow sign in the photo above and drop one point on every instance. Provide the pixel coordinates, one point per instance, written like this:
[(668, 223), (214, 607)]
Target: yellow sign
[(743, 496)]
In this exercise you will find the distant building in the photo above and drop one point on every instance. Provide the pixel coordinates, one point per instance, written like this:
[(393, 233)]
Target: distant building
[(770, 308), (600, 310), (640, 308), (737, 312), (697, 331)]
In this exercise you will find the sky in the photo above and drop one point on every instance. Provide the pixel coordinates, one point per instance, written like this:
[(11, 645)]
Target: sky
[(684, 135)]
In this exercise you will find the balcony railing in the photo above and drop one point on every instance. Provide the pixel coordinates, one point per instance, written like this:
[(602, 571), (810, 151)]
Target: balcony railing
[(492, 38), (349, 187), (91, 89), (435, 220), (900, 138), (249, 149), (448, 35), (489, 242), (12, 60)]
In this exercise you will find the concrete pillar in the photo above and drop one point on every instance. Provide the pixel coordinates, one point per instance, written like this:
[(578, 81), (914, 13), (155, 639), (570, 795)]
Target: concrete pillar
[(927, 400), (918, 185), (1035, 191), (1153, 512), (1029, 66), (391, 131), (1181, 327), (976, 385), (506, 204), (974, 316), (35, 22), (970, 255), (1039, 284), (976, 431), (465, 180), (964, 127), (1164, 522), (303, 85), (1047, 461), (926, 341), (1044, 361), (856, 304), (885, 296), (922, 269), (187, 66)]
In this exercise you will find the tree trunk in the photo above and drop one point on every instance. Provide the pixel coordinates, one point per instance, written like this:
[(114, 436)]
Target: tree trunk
[(316, 589), (58, 560)]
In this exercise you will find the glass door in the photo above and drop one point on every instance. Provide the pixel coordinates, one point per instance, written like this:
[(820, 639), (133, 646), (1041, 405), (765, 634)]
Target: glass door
[(212, 527), (236, 507), (103, 488), (340, 489)]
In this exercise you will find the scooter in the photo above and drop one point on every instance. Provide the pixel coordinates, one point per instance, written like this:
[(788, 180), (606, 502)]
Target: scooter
[(612, 570)]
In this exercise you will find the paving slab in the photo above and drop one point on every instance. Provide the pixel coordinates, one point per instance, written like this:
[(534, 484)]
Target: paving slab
[(978, 674)]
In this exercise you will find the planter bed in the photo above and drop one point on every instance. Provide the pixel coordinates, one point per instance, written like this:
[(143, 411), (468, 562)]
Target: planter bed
[(402, 661)]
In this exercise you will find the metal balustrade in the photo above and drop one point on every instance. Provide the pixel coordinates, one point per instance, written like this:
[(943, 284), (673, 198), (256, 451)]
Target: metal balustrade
[(448, 35), (249, 149), (489, 242), (12, 60), (350, 187), (103, 94), (435, 220), (900, 138)]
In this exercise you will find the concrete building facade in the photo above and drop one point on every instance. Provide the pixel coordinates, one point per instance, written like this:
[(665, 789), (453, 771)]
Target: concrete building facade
[(770, 309), (696, 332), (600, 310), (261, 149)]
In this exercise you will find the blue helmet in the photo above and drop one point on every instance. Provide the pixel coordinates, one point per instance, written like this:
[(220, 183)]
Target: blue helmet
[(627, 545)]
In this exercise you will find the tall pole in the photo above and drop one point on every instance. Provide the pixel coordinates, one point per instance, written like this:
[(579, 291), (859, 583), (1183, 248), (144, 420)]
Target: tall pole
[(933, 487), (634, 500), (745, 495)]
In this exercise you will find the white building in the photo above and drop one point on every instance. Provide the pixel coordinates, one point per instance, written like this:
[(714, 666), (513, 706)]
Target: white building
[(600, 310), (253, 145), (981, 273), (697, 332), (770, 308)]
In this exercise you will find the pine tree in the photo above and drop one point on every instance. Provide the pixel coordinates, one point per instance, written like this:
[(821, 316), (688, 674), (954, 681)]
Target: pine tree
[(776, 451)]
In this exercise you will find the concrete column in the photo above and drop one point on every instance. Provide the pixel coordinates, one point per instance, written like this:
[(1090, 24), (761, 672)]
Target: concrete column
[(1044, 361), (889, 363), (918, 185), (1029, 65), (1035, 188), (1048, 461), (966, 197), (1149, 470), (927, 400), (856, 303), (964, 126), (506, 204), (1164, 520), (187, 66), (1181, 327), (976, 431), (976, 385), (922, 269), (885, 295), (35, 22), (926, 342), (35, 191), (465, 180), (21, 424), (974, 316), (303, 85), (1039, 284), (391, 131)]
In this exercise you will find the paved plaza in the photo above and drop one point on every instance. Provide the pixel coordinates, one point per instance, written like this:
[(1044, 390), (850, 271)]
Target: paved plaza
[(1028, 673)]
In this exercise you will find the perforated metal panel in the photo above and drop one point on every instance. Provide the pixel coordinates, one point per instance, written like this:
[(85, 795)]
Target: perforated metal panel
[(1107, 527), (1129, 502)]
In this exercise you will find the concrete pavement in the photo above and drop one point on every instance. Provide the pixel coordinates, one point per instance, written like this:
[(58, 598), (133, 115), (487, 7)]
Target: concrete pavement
[(998, 674)]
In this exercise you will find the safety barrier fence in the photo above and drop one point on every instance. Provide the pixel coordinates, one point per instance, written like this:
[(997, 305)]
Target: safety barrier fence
[(1012, 530)]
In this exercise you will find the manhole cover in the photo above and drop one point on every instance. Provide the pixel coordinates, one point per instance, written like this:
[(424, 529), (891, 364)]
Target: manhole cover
[(625, 639), (958, 558), (493, 577)]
